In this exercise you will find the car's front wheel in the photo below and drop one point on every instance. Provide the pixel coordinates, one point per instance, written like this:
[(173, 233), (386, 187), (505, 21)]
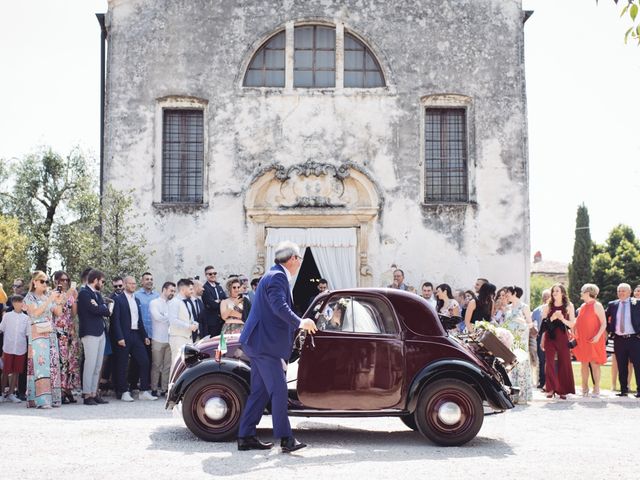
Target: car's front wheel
[(449, 412), (212, 406)]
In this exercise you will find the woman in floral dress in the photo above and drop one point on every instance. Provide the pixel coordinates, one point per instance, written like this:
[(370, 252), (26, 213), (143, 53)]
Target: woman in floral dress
[(43, 363), (67, 338), (517, 319)]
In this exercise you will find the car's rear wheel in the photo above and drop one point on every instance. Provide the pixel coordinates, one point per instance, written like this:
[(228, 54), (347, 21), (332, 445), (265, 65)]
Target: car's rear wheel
[(409, 421), (212, 406), (449, 412)]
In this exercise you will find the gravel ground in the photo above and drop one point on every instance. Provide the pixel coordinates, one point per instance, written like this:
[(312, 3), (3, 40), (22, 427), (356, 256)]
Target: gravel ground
[(577, 438)]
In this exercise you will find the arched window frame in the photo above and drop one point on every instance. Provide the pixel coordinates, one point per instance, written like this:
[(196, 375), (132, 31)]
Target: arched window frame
[(341, 31)]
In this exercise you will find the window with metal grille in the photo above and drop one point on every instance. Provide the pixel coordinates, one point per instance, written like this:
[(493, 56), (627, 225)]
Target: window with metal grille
[(361, 69), (445, 155), (182, 156), (314, 56), (268, 64)]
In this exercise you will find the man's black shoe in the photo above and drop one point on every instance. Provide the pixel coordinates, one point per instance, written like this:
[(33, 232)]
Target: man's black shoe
[(154, 393), (100, 400), (90, 401), (622, 394), (253, 443), (638, 395), (290, 444)]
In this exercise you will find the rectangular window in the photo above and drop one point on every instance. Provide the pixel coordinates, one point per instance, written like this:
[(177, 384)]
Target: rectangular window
[(446, 155), (182, 156), (314, 57)]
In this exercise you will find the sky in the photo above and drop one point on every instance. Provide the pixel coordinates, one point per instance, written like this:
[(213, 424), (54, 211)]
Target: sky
[(582, 89)]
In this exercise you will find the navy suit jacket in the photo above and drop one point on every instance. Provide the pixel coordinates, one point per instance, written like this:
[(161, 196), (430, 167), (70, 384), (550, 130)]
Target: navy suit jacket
[(90, 316), (121, 320), (612, 316), (211, 314), (271, 326)]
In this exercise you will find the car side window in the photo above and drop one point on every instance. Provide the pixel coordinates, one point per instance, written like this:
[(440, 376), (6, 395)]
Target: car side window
[(357, 315)]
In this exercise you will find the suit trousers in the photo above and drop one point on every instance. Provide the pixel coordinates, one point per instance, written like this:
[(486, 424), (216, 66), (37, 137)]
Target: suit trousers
[(627, 349), (160, 365), (93, 353), (541, 361), (268, 382), (176, 343), (133, 372), (136, 348)]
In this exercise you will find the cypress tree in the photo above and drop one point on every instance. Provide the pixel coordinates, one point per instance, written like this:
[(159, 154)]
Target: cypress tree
[(580, 268)]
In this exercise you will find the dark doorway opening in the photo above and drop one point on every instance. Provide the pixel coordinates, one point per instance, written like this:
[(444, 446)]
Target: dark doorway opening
[(306, 286)]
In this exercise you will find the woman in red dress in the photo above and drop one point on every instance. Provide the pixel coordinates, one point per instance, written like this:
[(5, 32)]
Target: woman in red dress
[(558, 315), (589, 333)]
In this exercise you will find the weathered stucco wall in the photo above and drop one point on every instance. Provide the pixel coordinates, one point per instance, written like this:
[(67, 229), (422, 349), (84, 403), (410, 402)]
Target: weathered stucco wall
[(199, 49)]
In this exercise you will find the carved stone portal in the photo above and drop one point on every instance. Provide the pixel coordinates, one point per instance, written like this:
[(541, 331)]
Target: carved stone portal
[(314, 195)]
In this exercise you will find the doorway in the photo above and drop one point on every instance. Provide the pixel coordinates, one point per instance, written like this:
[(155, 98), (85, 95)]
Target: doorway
[(306, 286)]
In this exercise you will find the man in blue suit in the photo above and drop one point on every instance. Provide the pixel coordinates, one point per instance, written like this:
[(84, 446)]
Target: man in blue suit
[(267, 339), (129, 337), (623, 322)]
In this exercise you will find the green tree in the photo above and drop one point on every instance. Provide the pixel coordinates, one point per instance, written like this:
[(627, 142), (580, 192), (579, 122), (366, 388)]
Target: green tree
[(14, 261), (616, 261), (580, 267), (44, 184), (123, 247), (539, 283), (630, 9)]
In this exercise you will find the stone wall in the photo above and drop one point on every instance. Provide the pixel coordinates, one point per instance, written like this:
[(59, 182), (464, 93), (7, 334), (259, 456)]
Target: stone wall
[(162, 51)]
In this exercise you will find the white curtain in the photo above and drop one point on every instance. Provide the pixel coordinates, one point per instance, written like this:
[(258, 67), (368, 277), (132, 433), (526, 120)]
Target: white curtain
[(334, 250)]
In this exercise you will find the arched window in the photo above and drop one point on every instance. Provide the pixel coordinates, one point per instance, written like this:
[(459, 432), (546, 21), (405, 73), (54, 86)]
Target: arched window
[(267, 68), (315, 56), (361, 69)]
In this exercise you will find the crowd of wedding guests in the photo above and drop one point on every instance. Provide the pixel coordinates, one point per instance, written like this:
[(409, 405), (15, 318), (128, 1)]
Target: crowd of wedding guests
[(546, 339), (61, 339)]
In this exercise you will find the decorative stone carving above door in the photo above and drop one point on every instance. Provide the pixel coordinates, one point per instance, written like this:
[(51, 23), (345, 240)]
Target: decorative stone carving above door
[(318, 195)]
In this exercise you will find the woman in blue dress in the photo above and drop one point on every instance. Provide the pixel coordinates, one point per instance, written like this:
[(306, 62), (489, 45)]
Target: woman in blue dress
[(43, 364)]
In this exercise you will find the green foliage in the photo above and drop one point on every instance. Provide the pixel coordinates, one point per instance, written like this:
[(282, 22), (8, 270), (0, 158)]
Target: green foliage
[(13, 251), (631, 10), (539, 283), (44, 186), (580, 267), (123, 246), (616, 261)]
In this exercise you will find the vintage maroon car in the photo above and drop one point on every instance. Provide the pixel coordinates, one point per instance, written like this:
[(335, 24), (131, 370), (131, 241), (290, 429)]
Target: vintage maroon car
[(378, 352)]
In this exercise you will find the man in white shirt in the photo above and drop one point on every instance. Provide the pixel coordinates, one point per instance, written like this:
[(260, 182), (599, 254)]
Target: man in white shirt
[(129, 338), (181, 321), (427, 294), (160, 349)]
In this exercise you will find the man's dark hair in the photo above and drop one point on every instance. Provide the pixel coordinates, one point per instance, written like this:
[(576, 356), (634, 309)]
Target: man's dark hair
[(147, 273), (185, 282), (166, 285), (208, 267), (255, 282), (399, 270), (323, 280), (94, 275), (427, 284), (117, 278), (483, 280), (85, 273)]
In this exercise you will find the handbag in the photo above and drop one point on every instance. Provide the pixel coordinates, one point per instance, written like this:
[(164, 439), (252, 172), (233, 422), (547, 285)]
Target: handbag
[(573, 342), (43, 327)]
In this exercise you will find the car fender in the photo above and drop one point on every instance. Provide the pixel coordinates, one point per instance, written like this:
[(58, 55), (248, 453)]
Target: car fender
[(488, 388), (237, 369)]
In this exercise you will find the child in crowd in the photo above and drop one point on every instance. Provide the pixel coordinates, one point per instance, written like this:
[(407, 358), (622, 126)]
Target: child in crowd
[(15, 326)]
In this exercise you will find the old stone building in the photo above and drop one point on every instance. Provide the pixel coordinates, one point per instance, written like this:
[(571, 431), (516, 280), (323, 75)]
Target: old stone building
[(372, 132)]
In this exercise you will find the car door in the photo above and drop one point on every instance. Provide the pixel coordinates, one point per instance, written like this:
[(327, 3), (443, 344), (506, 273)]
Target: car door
[(355, 360)]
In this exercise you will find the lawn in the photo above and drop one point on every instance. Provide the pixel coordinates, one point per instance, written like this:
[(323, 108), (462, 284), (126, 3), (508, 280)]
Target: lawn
[(605, 382)]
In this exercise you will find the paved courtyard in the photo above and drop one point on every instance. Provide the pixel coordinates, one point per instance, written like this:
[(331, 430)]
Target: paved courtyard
[(577, 438)]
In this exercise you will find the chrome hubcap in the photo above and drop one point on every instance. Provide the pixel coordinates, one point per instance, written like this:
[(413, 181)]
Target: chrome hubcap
[(215, 408), (449, 413)]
